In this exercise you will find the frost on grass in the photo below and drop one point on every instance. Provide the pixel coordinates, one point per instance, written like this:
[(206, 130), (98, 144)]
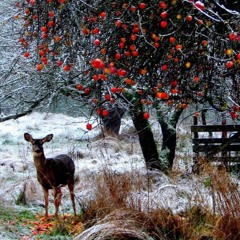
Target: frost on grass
[(94, 155), (90, 154)]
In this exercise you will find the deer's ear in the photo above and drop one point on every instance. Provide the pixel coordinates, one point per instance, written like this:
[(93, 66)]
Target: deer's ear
[(48, 138), (28, 137)]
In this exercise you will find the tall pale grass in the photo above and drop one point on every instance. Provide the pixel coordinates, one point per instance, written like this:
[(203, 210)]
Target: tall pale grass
[(117, 212)]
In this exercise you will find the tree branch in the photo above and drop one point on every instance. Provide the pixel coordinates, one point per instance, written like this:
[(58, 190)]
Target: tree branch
[(18, 115)]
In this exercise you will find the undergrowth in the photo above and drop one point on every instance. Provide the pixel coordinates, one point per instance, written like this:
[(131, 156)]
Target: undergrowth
[(116, 213), (118, 209)]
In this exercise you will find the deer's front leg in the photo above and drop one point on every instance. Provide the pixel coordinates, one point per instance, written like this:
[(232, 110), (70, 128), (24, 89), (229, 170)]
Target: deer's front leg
[(45, 192)]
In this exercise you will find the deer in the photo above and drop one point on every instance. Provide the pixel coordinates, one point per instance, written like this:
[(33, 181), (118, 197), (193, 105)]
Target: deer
[(52, 173)]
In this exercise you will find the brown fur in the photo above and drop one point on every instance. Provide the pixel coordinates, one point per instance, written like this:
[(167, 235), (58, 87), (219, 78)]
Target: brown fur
[(52, 173)]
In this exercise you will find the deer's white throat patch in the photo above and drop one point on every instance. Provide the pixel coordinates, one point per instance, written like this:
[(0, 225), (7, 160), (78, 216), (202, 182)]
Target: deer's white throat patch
[(37, 154)]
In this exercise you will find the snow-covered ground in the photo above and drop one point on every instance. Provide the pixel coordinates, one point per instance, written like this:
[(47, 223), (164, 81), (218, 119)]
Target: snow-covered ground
[(91, 155)]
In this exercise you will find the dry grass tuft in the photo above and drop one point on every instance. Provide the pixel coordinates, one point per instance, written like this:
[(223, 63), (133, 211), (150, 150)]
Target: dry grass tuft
[(112, 191), (123, 224), (226, 200), (117, 211)]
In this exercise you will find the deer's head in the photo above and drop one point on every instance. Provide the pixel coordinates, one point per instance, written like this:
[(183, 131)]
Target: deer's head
[(37, 144)]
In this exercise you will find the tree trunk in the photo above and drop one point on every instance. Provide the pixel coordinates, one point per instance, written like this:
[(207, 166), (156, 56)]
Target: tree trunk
[(169, 140), (112, 122), (147, 143)]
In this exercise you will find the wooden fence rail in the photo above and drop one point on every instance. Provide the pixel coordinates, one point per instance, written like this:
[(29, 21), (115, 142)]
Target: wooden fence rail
[(217, 143)]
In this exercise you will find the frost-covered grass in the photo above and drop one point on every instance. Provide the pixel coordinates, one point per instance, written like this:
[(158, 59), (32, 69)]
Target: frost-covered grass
[(115, 193)]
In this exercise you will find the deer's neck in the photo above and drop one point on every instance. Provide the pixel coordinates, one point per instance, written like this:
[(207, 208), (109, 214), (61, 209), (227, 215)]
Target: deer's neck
[(39, 160)]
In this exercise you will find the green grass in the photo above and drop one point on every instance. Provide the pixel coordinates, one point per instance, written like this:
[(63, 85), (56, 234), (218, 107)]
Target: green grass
[(23, 224), (13, 222)]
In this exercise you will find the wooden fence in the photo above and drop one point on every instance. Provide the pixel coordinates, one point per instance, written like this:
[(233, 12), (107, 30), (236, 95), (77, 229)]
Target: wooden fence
[(217, 143)]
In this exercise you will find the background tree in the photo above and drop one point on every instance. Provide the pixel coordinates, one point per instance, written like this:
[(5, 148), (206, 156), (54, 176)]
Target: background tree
[(161, 55)]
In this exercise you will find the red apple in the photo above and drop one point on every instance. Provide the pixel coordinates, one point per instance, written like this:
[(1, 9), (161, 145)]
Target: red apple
[(97, 42), (146, 115), (162, 5), (79, 87), (121, 45), (173, 83), (87, 90), (189, 18), (135, 53), (89, 126), (51, 23), (165, 67), (118, 56), (104, 113), (67, 68), (97, 63), (121, 72), (26, 54), (39, 67), (59, 63), (44, 29), (162, 95), (142, 5), (102, 14), (133, 8), (229, 64), (164, 14), (233, 36), (172, 39), (199, 5), (114, 89), (107, 96), (51, 14), (163, 24)]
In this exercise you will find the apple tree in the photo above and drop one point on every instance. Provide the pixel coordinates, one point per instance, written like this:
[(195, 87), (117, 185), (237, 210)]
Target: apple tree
[(138, 56)]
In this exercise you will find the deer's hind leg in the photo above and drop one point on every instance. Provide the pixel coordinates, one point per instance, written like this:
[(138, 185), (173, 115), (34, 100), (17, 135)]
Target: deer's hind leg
[(71, 190), (57, 199)]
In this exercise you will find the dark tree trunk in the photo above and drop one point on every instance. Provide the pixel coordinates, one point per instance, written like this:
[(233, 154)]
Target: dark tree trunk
[(112, 122), (147, 143), (169, 143), (169, 133)]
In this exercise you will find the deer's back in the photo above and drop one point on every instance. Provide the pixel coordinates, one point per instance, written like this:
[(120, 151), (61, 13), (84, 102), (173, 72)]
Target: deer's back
[(56, 171)]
